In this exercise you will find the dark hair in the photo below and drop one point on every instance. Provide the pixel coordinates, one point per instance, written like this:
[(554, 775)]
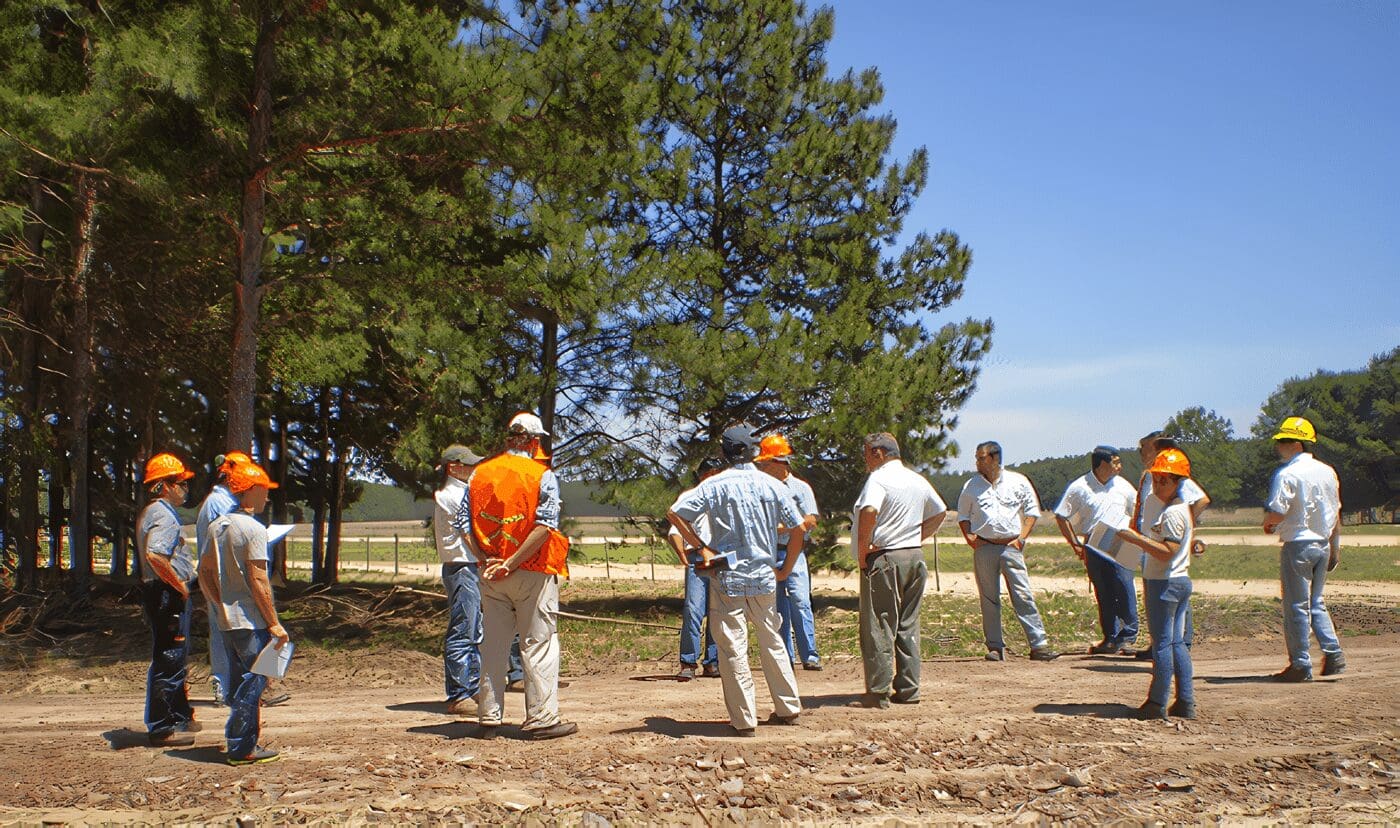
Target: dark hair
[(1101, 455), (990, 447), (884, 441), (708, 465), (1151, 435), (1166, 441)]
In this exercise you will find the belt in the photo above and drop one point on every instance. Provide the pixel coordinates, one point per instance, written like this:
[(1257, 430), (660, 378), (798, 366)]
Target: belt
[(875, 553), (1003, 542)]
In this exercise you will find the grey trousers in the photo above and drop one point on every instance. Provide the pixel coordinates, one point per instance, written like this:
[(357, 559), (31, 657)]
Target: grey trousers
[(524, 603), (991, 562), (891, 590)]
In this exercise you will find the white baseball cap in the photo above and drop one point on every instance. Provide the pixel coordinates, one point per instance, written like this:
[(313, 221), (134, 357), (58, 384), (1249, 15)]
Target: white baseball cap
[(527, 423)]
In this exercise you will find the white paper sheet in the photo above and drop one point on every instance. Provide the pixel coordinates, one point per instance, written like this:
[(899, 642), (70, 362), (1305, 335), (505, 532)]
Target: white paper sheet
[(272, 662), (277, 532), (1103, 541)]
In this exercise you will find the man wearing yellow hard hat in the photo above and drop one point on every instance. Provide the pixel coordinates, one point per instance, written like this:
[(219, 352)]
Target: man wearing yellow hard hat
[(233, 573), (795, 591), (167, 570), (1304, 509)]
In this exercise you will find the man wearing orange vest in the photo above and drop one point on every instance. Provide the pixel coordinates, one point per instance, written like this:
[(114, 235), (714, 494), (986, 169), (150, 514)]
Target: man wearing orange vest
[(511, 517)]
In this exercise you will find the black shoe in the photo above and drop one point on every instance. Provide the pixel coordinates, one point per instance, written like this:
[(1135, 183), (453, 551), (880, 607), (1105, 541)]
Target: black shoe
[(1183, 709), (1293, 674), (259, 756), (1333, 665), (1144, 654), (1150, 710), (898, 700), (996, 655), (554, 731), (1103, 648), (687, 672), (775, 719), (710, 671), (1044, 654), (874, 701), (814, 664), (170, 738)]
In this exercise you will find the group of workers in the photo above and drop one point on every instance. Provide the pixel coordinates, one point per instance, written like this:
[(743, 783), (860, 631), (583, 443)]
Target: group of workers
[(740, 532)]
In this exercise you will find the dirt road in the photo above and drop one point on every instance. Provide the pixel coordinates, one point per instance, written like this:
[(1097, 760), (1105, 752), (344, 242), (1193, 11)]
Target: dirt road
[(366, 740)]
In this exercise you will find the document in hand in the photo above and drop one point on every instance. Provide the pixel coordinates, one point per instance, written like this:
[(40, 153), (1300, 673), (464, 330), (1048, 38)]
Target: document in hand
[(1103, 540), (272, 662), (721, 560), (278, 531)]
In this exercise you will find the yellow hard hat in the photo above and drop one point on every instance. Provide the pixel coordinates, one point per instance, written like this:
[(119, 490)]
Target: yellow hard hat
[(1296, 428), (165, 465)]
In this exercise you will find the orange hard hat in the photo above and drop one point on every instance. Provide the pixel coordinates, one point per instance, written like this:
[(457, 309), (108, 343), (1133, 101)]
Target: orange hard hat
[(165, 465), (225, 462), (244, 476), (773, 447), (1171, 461)]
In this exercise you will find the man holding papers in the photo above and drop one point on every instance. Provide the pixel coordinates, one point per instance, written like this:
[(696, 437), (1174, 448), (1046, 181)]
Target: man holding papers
[(1102, 500), (234, 576)]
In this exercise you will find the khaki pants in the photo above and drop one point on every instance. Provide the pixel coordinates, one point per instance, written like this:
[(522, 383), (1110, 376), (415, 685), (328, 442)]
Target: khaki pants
[(729, 619), (527, 603), (891, 589)]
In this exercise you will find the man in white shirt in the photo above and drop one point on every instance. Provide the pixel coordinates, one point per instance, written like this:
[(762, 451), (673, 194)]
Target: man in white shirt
[(996, 511), (896, 510), (461, 578), (1102, 496), (1304, 508)]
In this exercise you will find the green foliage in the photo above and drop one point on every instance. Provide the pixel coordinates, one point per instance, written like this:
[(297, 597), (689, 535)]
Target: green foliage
[(1208, 440), (1357, 417)]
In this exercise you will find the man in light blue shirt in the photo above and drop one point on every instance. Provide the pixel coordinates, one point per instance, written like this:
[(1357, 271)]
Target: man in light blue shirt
[(744, 507)]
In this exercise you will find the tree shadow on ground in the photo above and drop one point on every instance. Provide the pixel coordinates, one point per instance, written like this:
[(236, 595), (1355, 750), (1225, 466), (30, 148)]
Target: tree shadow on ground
[(1100, 710), (124, 738), (667, 726), (470, 730), (1264, 679)]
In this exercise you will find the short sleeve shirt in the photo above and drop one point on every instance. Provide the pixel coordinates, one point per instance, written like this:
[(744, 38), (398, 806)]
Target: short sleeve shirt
[(902, 499), (219, 502), (1167, 522), (744, 506), (241, 541), (158, 533), (1087, 502), (1306, 492), (547, 510), (806, 501), (995, 509)]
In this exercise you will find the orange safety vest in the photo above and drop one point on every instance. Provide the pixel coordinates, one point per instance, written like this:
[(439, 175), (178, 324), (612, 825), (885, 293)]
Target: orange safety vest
[(504, 493)]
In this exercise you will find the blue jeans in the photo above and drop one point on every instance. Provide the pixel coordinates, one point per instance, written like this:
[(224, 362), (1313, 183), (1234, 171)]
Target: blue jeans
[(991, 562), (1303, 571), (697, 609), (1167, 601), (218, 658), (795, 608), (1116, 591), (461, 648), (244, 713), (167, 702)]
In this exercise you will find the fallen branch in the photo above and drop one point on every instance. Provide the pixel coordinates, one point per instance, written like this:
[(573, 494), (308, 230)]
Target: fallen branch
[(577, 617)]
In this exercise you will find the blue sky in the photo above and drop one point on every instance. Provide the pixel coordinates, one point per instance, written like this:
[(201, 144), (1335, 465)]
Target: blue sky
[(1169, 204)]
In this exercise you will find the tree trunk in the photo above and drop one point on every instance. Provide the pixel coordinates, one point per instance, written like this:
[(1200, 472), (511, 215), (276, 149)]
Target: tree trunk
[(248, 289), (332, 571), (32, 305), (549, 373), (80, 383), (56, 516), (279, 495), (121, 521), (320, 486)]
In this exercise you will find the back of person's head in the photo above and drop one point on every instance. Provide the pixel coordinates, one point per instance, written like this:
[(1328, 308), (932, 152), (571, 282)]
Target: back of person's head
[(737, 443), (884, 441)]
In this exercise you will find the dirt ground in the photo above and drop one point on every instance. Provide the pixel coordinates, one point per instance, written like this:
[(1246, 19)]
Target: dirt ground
[(366, 739)]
